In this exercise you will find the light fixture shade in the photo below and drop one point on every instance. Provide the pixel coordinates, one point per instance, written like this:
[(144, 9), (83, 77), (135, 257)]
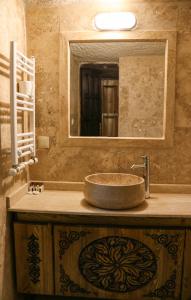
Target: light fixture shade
[(115, 21)]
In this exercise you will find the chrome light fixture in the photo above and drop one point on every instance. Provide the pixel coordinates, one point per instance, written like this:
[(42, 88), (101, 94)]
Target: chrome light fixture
[(115, 21)]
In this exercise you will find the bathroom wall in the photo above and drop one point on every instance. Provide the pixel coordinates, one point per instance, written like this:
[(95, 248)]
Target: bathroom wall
[(12, 27), (141, 95), (45, 20), (75, 97)]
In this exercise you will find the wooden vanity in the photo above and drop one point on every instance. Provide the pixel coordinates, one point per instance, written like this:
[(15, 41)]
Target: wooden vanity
[(65, 247)]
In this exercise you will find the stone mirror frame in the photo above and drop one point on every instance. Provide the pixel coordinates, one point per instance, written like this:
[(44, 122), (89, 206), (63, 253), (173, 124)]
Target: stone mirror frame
[(66, 38)]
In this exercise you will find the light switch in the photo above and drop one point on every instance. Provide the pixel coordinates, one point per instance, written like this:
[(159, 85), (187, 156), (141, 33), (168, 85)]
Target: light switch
[(43, 142)]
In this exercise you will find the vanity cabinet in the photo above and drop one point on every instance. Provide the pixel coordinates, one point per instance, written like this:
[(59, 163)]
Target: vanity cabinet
[(118, 263), (34, 258), (107, 262), (186, 278)]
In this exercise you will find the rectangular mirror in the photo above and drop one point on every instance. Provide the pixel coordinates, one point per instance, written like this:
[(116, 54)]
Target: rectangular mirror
[(118, 89)]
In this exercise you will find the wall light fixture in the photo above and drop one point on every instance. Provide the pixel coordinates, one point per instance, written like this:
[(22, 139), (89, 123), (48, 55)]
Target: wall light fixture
[(115, 21)]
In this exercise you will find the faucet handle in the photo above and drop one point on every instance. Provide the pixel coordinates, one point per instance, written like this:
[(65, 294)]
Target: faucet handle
[(146, 159), (145, 156)]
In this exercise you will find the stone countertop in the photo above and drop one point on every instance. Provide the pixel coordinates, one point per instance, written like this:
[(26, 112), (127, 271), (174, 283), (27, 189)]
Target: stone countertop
[(160, 205)]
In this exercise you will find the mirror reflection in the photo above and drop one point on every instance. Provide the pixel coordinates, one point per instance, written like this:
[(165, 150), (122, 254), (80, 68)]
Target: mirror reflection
[(117, 88)]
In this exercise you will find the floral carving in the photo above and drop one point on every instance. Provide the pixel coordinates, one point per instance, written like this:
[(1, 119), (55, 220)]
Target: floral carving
[(118, 264), (169, 241), (67, 285), (33, 258), (167, 290), (67, 238)]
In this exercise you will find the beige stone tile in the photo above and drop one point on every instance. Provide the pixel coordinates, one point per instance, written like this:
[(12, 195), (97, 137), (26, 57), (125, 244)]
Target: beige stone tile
[(182, 155), (183, 81), (141, 90), (47, 84), (184, 17), (44, 46), (157, 16), (47, 102), (40, 21)]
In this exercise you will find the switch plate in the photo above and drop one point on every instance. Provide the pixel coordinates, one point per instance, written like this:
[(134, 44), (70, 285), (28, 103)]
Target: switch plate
[(43, 142)]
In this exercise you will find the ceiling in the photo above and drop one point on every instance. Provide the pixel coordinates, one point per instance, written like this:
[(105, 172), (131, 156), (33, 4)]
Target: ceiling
[(111, 51)]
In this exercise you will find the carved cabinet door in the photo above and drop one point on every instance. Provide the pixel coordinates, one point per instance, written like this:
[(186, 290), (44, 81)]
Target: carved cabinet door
[(118, 263), (33, 251)]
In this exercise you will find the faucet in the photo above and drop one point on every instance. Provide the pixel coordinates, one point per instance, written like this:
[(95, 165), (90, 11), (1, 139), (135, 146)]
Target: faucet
[(145, 167)]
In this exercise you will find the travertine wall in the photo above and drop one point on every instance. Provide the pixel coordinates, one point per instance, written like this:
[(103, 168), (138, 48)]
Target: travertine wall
[(45, 19), (141, 95), (12, 27), (74, 97)]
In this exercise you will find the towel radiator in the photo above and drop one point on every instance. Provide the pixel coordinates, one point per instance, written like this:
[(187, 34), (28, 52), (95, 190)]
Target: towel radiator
[(23, 150)]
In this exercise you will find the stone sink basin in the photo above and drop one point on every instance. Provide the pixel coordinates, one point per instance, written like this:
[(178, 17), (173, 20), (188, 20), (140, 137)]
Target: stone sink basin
[(114, 190)]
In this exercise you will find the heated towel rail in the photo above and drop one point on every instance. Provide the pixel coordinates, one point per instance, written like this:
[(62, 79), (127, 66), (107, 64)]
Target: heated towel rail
[(23, 150)]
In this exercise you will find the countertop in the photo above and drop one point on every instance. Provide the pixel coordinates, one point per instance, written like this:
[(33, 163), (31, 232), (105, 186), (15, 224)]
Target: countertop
[(72, 202)]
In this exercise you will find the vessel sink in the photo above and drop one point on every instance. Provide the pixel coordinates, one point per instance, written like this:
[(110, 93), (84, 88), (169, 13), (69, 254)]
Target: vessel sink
[(114, 190)]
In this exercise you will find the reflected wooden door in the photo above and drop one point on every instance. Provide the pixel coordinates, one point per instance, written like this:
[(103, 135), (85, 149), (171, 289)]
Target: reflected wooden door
[(109, 94), (90, 103)]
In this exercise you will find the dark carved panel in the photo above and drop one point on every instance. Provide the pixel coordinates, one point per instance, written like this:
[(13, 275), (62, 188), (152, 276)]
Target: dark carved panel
[(169, 241), (117, 264), (66, 284), (167, 290), (33, 259)]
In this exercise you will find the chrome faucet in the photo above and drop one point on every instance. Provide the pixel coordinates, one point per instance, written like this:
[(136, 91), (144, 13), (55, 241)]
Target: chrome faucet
[(146, 167)]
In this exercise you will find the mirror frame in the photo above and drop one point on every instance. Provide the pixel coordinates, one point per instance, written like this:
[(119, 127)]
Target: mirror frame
[(64, 137)]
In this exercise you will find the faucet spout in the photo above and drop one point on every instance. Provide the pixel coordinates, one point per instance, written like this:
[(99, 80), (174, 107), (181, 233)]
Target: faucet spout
[(146, 173), (136, 166)]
